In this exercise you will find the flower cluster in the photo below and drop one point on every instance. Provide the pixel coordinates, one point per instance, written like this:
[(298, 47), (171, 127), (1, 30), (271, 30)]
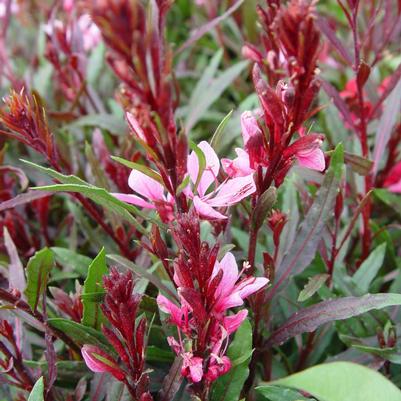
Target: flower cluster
[(207, 288), (291, 50), (226, 193), (11, 360), (126, 335), (66, 49), (26, 121)]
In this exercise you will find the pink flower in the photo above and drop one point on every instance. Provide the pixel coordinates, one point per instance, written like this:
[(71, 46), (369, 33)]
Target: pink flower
[(393, 179), (90, 32), (14, 7), (68, 5), (228, 193), (240, 166), (231, 290), (85, 31), (152, 195), (217, 368), (98, 361), (192, 367), (178, 315), (306, 150)]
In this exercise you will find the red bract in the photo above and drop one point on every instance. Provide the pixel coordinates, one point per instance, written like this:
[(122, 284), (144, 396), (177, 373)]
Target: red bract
[(206, 288), (26, 120), (11, 360), (141, 59), (71, 305), (125, 334)]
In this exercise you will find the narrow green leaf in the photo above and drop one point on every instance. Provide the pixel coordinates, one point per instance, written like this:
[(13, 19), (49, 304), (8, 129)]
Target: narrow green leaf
[(92, 313), (72, 260), (71, 183), (387, 121), (95, 63), (209, 89), (359, 164), (79, 333), (343, 381), (37, 393), (201, 162), (38, 269), (105, 121), (228, 387), (140, 167), (368, 270), (96, 168), (312, 286), (101, 197), (263, 206), (306, 242), (215, 142)]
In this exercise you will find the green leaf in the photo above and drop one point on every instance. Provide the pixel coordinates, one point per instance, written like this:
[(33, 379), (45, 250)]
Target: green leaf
[(71, 183), (343, 381), (79, 333), (156, 354), (92, 313), (309, 319), (105, 121), (37, 393), (140, 167), (303, 249), (280, 393), (215, 142), (209, 89), (389, 199), (228, 387), (312, 286), (368, 270), (71, 259), (99, 196), (38, 269), (359, 164), (95, 63), (387, 121), (201, 162)]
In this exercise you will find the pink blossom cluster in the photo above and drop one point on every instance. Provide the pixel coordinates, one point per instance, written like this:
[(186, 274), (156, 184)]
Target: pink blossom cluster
[(213, 189), (207, 289)]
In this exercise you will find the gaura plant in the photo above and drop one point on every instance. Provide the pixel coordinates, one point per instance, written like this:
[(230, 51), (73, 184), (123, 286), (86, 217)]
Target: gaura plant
[(200, 200)]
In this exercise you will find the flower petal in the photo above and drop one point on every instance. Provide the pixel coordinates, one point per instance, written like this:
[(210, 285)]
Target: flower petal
[(169, 307), (134, 200), (238, 167), (196, 369), (98, 361), (211, 170), (205, 210), (146, 186), (249, 126), (231, 323), (135, 127), (251, 285), (232, 191), (230, 274), (313, 159)]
